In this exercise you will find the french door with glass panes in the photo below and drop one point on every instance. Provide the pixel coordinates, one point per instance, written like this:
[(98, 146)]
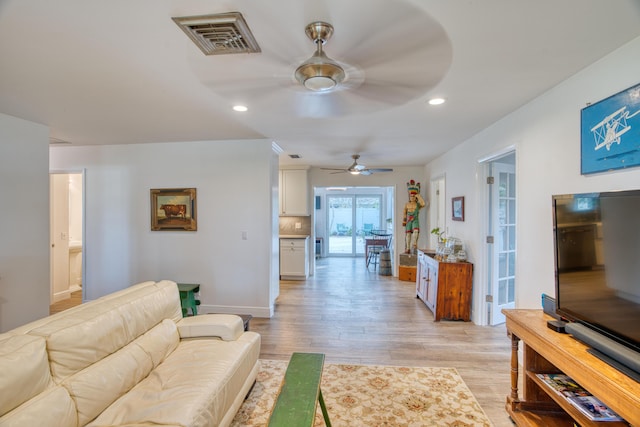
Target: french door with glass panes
[(349, 218), (503, 229)]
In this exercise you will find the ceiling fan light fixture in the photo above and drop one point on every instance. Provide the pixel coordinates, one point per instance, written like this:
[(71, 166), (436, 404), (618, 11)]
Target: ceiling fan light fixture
[(319, 83), (319, 73)]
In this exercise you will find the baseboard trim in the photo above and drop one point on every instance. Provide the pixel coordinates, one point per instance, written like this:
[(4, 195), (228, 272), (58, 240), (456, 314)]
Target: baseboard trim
[(60, 296), (225, 309)]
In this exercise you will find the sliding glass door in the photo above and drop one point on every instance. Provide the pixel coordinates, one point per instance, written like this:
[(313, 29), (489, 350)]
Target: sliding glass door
[(349, 219)]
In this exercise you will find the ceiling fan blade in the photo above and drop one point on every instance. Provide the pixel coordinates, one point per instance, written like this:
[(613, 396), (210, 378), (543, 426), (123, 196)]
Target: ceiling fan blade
[(380, 170), (318, 105)]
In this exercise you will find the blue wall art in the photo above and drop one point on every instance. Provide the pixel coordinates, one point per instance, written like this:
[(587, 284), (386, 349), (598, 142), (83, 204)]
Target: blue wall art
[(610, 133)]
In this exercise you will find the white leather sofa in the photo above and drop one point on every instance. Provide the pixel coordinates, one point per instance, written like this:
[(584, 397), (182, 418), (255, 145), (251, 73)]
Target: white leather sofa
[(127, 359)]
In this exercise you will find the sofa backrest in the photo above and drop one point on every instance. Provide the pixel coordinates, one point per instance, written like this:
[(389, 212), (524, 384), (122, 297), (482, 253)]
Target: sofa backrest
[(86, 336), (87, 306), (99, 385), (86, 357), (24, 370), (28, 392)]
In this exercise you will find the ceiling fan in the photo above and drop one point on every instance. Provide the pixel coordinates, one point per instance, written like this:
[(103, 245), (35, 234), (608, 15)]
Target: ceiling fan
[(371, 66), (356, 169), (319, 73)]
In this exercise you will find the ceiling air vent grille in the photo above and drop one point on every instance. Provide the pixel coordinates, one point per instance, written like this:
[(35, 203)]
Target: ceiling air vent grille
[(219, 34)]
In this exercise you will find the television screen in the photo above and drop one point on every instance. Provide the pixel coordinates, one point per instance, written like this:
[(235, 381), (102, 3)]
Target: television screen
[(597, 262)]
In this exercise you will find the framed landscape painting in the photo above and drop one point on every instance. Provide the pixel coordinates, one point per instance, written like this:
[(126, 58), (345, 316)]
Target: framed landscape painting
[(173, 209), (610, 133)]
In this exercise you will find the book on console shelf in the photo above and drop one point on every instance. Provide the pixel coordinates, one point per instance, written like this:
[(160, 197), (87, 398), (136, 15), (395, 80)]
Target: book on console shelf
[(581, 399)]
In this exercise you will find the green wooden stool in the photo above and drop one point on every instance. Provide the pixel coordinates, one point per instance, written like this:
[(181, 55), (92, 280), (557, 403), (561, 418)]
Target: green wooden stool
[(300, 393), (188, 298)]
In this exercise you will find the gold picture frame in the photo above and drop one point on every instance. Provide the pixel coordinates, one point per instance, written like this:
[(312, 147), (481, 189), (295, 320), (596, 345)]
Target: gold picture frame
[(173, 209)]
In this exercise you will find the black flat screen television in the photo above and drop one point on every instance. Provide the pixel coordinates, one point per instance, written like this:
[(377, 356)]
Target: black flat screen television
[(597, 262)]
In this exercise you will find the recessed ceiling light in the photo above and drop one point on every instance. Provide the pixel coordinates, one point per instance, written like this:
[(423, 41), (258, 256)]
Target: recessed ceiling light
[(436, 101), (240, 108)]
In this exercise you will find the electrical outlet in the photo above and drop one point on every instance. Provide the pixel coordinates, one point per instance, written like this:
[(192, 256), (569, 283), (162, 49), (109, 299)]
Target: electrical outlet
[(244, 235), (298, 225)]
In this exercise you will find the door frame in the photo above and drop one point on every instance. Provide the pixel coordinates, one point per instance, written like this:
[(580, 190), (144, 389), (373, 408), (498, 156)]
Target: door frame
[(320, 213), (437, 208), (83, 174), (481, 268), (498, 168)]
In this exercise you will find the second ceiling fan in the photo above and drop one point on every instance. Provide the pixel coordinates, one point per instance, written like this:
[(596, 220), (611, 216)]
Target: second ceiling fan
[(357, 169)]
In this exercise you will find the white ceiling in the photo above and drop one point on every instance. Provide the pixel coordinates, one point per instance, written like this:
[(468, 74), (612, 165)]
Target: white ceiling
[(121, 71)]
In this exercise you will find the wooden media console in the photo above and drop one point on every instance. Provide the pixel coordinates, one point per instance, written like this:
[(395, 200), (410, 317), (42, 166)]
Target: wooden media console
[(546, 351)]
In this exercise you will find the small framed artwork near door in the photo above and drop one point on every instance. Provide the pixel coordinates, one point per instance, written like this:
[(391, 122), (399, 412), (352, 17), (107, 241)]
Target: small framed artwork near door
[(173, 209), (457, 208)]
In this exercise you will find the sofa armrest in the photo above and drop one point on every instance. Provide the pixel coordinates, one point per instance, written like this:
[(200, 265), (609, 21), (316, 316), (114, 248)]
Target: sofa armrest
[(226, 326)]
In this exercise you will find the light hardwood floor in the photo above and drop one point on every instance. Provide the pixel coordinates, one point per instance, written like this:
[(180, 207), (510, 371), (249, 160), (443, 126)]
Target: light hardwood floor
[(354, 315)]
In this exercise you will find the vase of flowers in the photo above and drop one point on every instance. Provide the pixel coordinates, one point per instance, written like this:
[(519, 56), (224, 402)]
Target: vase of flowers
[(442, 240)]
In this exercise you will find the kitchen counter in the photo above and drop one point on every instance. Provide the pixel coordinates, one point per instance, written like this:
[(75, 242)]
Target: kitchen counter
[(294, 236)]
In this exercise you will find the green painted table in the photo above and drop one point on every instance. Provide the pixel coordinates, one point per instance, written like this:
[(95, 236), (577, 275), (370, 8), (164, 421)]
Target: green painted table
[(188, 300), (300, 393)]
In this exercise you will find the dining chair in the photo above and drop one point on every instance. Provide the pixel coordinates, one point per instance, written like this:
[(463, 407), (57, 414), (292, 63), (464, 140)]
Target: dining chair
[(375, 243)]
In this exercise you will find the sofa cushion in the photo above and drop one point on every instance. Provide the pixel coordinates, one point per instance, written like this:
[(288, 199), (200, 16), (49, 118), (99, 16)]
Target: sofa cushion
[(160, 341), (53, 408), (195, 385), (24, 370), (97, 386)]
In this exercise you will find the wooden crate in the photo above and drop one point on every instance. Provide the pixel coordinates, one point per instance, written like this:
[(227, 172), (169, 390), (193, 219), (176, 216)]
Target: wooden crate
[(406, 273)]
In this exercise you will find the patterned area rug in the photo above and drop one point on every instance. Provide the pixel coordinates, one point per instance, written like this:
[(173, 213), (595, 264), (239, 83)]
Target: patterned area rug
[(360, 395)]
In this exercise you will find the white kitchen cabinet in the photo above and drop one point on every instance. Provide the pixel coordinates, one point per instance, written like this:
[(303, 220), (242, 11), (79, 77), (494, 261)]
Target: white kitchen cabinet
[(294, 258), (294, 192)]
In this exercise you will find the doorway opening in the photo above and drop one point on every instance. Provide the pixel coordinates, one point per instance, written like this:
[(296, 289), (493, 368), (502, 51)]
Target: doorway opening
[(66, 235), (437, 210), (345, 215)]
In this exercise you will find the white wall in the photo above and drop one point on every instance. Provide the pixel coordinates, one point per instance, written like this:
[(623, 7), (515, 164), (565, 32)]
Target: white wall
[(546, 136), (234, 182), (24, 245)]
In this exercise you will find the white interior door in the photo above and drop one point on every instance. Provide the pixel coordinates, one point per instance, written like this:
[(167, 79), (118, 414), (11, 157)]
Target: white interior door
[(502, 227)]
